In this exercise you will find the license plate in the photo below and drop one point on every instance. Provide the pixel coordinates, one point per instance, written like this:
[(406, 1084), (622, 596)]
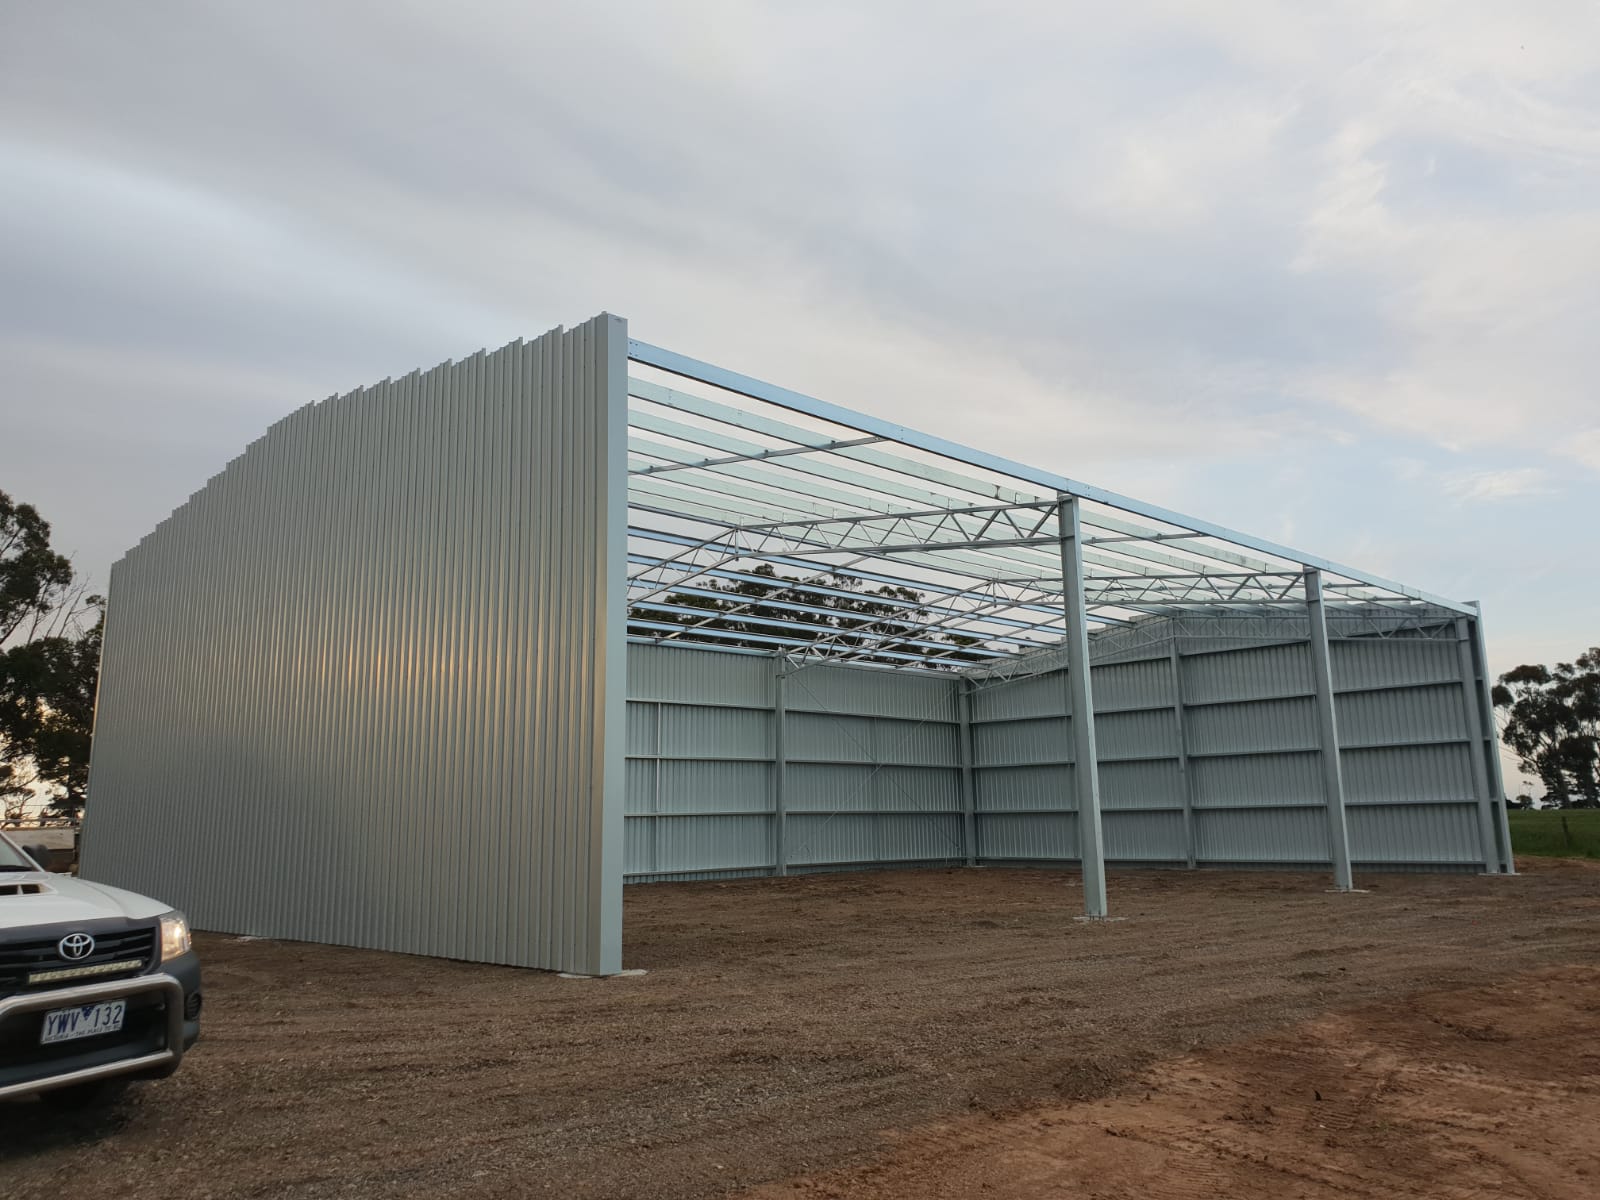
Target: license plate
[(68, 1024)]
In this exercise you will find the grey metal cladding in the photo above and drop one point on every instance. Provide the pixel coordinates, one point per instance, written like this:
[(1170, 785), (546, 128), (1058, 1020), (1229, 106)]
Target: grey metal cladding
[(1033, 696), (1252, 727), (1144, 836), (367, 685), (1256, 780), (689, 731), (1402, 715), (700, 787), (1028, 788), (1141, 784), (692, 676), (1145, 684), (1247, 674), (1135, 734), (1028, 837), (1409, 774), (841, 689), (1274, 835), (1415, 833), (1025, 740), (1390, 662)]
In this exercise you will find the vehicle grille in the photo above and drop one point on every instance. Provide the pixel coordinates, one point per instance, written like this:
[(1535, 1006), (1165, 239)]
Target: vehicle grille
[(18, 960)]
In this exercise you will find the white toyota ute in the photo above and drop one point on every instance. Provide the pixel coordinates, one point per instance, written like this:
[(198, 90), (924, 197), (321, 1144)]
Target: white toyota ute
[(97, 985)]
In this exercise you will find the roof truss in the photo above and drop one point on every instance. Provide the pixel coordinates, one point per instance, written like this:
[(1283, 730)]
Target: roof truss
[(897, 548)]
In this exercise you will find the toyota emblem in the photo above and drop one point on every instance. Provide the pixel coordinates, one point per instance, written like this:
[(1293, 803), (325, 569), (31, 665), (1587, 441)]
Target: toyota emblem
[(75, 946)]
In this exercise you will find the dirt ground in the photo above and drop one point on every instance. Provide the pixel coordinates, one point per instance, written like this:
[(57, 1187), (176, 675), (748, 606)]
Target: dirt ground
[(940, 1033), (1455, 1095)]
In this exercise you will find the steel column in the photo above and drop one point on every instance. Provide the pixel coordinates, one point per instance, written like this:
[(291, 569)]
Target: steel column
[(1508, 862), (1487, 836), (1080, 689), (1328, 731), (969, 819), (655, 798), (1184, 783), (780, 811)]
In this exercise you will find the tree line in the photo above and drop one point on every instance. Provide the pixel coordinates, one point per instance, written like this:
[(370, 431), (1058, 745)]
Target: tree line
[(1552, 723), (50, 629)]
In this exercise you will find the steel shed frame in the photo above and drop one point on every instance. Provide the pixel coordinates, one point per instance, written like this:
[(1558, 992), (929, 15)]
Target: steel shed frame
[(927, 566)]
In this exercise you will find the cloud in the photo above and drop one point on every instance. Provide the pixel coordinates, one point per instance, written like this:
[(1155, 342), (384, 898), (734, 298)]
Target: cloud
[(1498, 485), (1584, 446)]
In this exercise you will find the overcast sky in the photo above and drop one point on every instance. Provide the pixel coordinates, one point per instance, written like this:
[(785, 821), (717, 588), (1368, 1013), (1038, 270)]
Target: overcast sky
[(1327, 273)]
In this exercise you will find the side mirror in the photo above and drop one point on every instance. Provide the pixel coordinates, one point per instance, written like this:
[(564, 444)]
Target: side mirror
[(40, 855)]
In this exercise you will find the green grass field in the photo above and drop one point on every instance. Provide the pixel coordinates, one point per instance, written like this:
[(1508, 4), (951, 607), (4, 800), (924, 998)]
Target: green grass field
[(1541, 833)]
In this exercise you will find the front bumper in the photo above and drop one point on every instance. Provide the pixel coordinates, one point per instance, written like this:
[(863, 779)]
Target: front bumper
[(170, 1037)]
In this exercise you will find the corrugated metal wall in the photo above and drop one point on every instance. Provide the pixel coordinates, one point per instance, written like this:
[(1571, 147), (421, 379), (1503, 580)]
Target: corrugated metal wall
[(1231, 776), (870, 773), (872, 761), (367, 685)]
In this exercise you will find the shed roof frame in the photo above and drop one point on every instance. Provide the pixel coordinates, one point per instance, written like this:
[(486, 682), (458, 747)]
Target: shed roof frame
[(727, 474)]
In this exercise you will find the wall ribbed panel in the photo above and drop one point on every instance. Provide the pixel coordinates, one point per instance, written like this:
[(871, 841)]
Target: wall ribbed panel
[(366, 686), (1003, 789), (1409, 774), (1415, 833), (699, 676), (825, 737), (711, 843), (1252, 727), (688, 731), (881, 693), (837, 787), (1145, 684), (1401, 715), (1145, 784), (1032, 696), (1029, 740), (644, 728), (1391, 662), (1247, 674), (871, 765), (1282, 835), (1129, 734), (714, 787), (1256, 780), (1144, 836), (870, 839), (1029, 838)]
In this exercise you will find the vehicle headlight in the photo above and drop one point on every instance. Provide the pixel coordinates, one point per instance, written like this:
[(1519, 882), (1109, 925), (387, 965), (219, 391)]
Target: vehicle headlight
[(174, 936)]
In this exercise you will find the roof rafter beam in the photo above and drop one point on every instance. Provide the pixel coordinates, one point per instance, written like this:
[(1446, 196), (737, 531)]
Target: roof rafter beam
[(762, 456)]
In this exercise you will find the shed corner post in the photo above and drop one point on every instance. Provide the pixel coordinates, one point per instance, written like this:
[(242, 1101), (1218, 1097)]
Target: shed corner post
[(780, 764), (1328, 733), (1185, 782), (609, 363), (969, 819), (1482, 747), (1080, 690), (1508, 862)]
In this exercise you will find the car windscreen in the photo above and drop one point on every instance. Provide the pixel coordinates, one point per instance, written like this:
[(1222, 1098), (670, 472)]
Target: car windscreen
[(12, 859)]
